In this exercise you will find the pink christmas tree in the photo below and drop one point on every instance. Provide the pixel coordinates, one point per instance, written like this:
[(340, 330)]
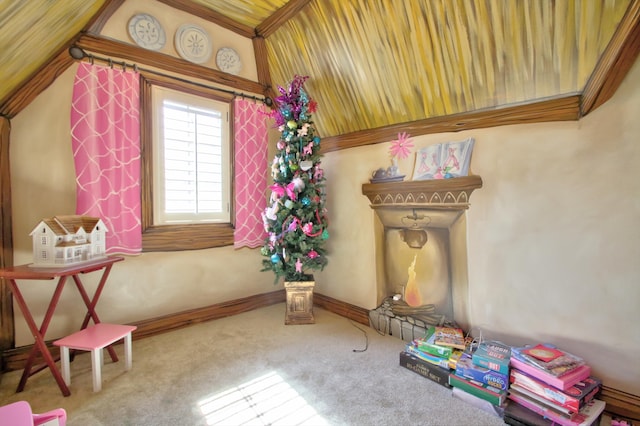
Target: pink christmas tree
[(295, 220)]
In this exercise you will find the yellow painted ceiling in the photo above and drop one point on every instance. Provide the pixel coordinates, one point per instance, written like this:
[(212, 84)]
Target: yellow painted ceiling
[(32, 30), (374, 63), (247, 12)]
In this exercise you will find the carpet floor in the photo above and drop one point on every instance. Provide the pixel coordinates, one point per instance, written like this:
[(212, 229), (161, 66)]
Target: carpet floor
[(251, 369)]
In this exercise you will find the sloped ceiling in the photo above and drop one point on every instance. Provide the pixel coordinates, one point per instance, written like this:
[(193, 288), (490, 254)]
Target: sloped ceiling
[(30, 31), (384, 62), (373, 63)]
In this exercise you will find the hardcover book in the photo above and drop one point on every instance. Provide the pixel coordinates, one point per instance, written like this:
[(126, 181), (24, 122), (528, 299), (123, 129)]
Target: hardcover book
[(488, 393), (425, 369), (467, 369), (493, 355), (572, 399), (563, 382), (449, 336)]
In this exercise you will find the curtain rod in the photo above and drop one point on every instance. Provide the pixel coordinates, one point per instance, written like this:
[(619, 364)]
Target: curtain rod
[(79, 54)]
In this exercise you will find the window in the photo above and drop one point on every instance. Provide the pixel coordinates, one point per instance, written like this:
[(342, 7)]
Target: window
[(192, 161), (187, 192)]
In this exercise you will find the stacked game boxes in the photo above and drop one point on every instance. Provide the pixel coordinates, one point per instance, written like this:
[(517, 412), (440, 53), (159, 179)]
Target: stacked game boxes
[(436, 354), (484, 373), (554, 384)]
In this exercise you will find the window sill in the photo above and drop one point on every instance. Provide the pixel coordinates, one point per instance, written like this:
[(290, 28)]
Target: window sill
[(186, 237)]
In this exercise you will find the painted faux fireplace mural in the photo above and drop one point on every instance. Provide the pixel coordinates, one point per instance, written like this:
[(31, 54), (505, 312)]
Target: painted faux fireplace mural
[(420, 235)]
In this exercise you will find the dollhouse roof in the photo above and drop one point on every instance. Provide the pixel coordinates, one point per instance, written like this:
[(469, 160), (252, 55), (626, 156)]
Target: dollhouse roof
[(71, 224)]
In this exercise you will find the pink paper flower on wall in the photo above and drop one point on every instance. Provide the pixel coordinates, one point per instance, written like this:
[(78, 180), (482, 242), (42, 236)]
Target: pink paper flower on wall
[(401, 148)]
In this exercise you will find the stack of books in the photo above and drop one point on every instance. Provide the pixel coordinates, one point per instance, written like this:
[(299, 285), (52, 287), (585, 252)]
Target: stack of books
[(484, 373), (436, 354), (554, 384)]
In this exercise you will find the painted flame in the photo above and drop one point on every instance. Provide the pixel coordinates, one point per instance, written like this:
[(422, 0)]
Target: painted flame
[(412, 292)]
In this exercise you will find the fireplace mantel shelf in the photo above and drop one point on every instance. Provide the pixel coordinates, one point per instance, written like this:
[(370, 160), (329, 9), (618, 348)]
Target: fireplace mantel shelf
[(449, 194)]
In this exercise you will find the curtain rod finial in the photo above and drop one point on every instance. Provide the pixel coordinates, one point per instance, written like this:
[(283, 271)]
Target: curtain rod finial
[(76, 52)]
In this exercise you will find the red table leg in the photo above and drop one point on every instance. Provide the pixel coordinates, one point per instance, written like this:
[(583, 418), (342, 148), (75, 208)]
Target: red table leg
[(38, 335), (91, 305)]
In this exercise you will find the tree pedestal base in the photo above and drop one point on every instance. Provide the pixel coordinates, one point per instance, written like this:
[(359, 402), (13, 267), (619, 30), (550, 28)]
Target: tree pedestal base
[(299, 302)]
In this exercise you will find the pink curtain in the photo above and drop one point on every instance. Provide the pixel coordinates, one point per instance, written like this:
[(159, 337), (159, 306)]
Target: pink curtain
[(105, 132), (250, 128)]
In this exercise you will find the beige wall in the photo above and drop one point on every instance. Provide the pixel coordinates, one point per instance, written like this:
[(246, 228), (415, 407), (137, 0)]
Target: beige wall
[(43, 185), (171, 19), (141, 287), (553, 237)]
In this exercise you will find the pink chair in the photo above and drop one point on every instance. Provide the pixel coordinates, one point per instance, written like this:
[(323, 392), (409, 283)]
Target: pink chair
[(20, 414)]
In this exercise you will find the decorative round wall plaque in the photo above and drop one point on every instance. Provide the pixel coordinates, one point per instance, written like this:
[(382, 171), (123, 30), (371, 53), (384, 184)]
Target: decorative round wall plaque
[(146, 31), (228, 60), (193, 44)]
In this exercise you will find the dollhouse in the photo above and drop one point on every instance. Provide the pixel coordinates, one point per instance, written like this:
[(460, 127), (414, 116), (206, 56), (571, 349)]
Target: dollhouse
[(67, 240)]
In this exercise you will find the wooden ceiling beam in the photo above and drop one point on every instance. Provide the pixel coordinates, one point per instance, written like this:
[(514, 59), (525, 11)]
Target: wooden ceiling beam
[(211, 16), (282, 15), (101, 17), (615, 62), (566, 108), (262, 66), (167, 63)]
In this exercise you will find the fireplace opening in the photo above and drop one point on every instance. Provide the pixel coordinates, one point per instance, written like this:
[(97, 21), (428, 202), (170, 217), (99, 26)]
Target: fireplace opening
[(416, 289)]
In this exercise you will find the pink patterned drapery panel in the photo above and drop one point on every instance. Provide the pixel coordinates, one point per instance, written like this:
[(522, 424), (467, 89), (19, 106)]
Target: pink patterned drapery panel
[(250, 127), (105, 134)]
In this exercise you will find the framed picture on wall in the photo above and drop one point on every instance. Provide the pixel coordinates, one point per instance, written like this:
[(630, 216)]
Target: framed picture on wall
[(444, 160)]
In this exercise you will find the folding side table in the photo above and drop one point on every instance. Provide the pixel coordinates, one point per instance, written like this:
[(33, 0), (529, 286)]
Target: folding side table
[(30, 272)]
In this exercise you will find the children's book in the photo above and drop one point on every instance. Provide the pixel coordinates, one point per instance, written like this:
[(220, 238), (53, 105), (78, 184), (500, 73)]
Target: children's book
[(449, 336), (427, 344), (557, 366), (524, 393), (585, 417), (454, 358), (425, 356), (444, 160), (493, 355), (563, 382), (573, 399), (543, 353)]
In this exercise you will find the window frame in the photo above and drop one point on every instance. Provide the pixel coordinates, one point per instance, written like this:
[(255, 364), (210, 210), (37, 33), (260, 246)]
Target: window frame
[(178, 237), (217, 114)]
